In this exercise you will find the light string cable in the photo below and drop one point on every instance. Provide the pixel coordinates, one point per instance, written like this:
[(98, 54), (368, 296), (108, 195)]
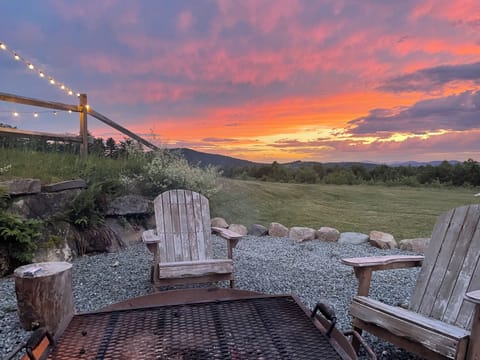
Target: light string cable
[(40, 72)]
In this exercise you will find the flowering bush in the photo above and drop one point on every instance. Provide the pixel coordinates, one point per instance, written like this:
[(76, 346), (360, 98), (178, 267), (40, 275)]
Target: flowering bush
[(166, 171)]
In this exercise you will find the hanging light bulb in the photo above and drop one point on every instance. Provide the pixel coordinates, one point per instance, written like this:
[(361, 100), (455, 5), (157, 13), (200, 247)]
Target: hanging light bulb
[(55, 113), (30, 66), (52, 81), (62, 87), (15, 114), (70, 111), (16, 57), (35, 114), (70, 92), (3, 46), (41, 74)]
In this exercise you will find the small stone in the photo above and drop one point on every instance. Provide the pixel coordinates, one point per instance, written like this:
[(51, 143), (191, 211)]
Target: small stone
[(382, 240), (278, 230), (353, 238), (300, 234), (326, 233), (219, 222)]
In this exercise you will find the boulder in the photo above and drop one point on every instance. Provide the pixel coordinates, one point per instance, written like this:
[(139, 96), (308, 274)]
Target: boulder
[(382, 240), (219, 222), (22, 186), (326, 233), (62, 253), (301, 234), (65, 185), (43, 205), (418, 245), (238, 228), (278, 230), (129, 205), (257, 230), (353, 238), (129, 232)]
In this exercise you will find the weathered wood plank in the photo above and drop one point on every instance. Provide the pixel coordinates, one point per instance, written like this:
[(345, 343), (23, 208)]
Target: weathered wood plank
[(457, 275), (438, 236), (432, 334), (226, 233), (381, 260), (195, 268), (442, 256), (468, 278)]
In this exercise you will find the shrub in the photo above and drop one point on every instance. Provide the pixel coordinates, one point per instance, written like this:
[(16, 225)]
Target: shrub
[(89, 208), (17, 237), (166, 171)]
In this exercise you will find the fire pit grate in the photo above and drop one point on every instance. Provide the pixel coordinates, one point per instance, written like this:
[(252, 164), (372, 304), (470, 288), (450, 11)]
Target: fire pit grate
[(256, 328)]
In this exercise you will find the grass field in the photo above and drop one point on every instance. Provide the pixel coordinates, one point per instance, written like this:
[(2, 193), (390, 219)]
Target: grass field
[(405, 212)]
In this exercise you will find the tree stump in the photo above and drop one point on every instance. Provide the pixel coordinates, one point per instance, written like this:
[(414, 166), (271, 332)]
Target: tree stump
[(44, 295)]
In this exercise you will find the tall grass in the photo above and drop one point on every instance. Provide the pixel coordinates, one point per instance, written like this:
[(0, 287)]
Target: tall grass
[(54, 167)]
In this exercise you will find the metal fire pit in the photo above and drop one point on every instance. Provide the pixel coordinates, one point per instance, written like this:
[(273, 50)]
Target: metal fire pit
[(252, 327)]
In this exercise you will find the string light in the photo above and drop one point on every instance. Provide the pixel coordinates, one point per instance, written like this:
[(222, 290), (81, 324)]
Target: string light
[(41, 73), (35, 114)]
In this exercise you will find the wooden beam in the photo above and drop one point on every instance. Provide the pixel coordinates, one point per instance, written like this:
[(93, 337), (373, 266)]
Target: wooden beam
[(35, 102), (120, 128), (26, 133), (83, 125)]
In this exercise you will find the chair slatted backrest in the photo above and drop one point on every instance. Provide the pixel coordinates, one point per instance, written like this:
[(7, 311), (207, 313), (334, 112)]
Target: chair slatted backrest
[(183, 226), (451, 268)]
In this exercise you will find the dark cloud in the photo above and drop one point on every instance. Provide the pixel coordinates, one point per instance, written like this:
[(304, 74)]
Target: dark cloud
[(219, 140), (455, 112), (431, 79)]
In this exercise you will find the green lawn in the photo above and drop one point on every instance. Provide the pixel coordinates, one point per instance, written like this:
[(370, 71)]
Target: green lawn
[(404, 212)]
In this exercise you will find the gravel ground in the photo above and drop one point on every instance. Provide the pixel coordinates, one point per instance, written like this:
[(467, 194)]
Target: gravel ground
[(311, 270)]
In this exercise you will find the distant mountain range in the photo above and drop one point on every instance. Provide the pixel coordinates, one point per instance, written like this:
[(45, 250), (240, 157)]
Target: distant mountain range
[(204, 159)]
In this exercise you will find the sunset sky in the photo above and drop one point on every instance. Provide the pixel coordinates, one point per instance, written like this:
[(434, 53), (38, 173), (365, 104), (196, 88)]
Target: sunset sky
[(281, 80)]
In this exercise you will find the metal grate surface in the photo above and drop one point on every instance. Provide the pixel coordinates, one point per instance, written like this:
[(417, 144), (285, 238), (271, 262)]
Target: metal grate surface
[(258, 328)]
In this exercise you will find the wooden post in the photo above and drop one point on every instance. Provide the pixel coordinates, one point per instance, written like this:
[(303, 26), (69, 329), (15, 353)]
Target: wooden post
[(83, 124), (44, 295)]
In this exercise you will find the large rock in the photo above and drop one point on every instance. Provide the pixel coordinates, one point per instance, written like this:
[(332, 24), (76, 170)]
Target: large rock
[(353, 238), (65, 185), (300, 234), (418, 245), (219, 222), (257, 230), (130, 232), (43, 205), (239, 229), (22, 186), (382, 240), (277, 229), (326, 233), (129, 205)]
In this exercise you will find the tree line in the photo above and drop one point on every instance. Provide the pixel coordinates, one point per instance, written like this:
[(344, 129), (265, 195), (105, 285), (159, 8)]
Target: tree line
[(465, 173), (98, 146)]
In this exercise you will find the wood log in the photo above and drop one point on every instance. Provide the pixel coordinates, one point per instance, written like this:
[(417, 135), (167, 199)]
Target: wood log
[(44, 295)]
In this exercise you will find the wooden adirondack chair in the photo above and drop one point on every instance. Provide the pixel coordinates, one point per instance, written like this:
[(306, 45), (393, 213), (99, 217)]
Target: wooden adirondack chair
[(443, 317), (182, 246)]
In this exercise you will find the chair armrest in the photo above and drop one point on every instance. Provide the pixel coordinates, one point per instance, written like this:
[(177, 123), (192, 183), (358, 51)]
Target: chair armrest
[(149, 237), (231, 236), (474, 345), (364, 267), (473, 296), (226, 233), (385, 262)]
